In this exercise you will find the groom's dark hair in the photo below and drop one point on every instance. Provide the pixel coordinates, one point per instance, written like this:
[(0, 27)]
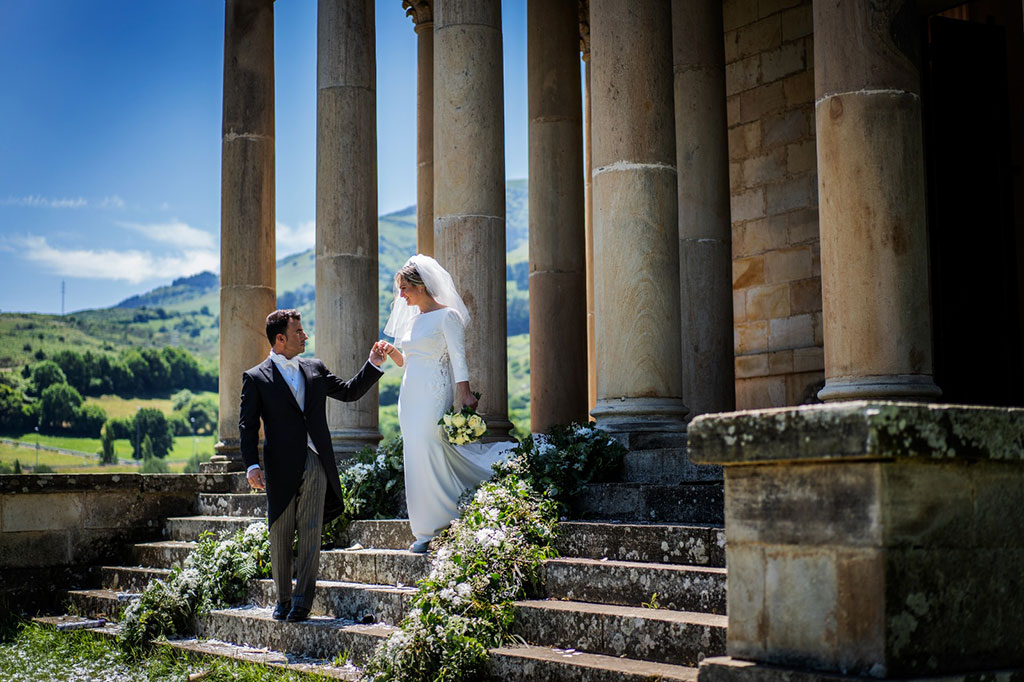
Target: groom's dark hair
[(277, 322)]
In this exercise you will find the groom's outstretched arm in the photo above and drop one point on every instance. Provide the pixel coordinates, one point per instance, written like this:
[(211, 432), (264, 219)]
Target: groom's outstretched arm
[(356, 387)]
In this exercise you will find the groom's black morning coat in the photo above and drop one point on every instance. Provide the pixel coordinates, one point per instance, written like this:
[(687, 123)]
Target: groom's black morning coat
[(265, 394)]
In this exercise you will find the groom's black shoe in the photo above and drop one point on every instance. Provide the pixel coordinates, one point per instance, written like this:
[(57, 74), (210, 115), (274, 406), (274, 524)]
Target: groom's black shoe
[(282, 609), (298, 613)]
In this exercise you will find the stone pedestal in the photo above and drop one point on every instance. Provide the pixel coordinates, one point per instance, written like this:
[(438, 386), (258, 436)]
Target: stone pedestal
[(346, 210), (636, 232), (247, 265), (873, 539), (423, 17), (469, 187), (705, 227), (558, 318), (871, 190)]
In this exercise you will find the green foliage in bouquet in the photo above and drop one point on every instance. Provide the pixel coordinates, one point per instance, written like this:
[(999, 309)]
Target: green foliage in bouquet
[(215, 574), (372, 487), (462, 426)]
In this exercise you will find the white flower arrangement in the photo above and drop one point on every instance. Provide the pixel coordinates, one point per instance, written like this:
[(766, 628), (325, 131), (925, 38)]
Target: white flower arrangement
[(464, 426)]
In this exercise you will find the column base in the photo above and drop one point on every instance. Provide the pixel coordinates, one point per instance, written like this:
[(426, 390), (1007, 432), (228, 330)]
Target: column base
[(347, 442), (728, 669), (499, 428), (228, 458), (881, 387), (629, 419)]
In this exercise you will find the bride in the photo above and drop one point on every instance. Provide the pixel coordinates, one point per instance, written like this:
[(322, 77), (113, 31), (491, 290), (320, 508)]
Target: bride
[(428, 321)]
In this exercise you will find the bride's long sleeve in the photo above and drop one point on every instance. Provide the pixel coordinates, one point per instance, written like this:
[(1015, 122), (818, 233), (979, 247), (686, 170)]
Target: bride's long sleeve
[(455, 337)]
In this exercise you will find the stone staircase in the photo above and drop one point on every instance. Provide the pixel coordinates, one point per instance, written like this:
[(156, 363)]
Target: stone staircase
[(628, 599)]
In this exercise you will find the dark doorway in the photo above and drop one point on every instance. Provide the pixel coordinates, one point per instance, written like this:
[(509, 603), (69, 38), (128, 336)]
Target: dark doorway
[(973, 184)]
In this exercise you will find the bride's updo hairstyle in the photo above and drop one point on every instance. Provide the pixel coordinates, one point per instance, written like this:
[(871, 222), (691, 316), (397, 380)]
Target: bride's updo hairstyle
[(410, 274)]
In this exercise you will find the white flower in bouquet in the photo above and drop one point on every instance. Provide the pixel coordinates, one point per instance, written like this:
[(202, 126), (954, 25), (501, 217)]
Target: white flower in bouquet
[(462, 427)]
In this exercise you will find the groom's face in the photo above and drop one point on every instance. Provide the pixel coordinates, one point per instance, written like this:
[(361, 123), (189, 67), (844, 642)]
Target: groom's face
[(294, 339)]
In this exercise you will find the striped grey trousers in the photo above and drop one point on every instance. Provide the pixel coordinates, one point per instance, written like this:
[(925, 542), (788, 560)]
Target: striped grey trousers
[(303, 515)]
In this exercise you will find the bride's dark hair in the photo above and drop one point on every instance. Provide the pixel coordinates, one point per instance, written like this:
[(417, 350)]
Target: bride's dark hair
[(410, 274)]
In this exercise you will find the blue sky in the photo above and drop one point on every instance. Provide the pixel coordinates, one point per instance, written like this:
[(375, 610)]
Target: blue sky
[(110, 123)]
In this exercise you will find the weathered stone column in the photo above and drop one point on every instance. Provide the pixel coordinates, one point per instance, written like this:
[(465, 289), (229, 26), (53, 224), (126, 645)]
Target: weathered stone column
[(871, 539), (705, 228), (871, 189), (423, 17), (469, 186), (636, 232), (247, 265), (558, 316), (346, 209), (588, 203)]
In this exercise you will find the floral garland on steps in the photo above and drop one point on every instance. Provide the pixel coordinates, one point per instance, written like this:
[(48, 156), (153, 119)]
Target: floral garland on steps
[(490, 558)]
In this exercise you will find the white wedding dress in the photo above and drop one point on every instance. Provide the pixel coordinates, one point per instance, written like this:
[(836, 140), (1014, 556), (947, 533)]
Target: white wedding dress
[(437, 472)]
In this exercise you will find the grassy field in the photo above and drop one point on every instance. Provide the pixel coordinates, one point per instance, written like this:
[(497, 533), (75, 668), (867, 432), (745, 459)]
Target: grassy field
[(184, 448), (116, 406)]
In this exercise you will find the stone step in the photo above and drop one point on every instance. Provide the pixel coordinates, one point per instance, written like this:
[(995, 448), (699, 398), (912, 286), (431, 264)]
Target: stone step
[(99, 603), (688, 503), (689, 545), (354, 601), (676, 637), (189, 528), (631, 583), (666, 465), (380, 534), (531, 663), (193, 649), (244, 504), (320, 636), (130, 578), (307, 666), (164, 554), (374, 566)]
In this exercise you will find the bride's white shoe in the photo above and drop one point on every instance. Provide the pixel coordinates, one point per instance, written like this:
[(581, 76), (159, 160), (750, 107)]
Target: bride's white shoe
[(419, 547)]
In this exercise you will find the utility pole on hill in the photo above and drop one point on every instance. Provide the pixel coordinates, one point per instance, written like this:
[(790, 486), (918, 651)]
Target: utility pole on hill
[(62, 283)]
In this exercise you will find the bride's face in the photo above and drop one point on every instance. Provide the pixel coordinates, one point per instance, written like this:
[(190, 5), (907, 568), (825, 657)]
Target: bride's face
[(413, 295)]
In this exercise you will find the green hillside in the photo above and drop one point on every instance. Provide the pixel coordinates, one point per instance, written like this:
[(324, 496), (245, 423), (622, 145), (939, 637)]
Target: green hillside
[(185, 313)]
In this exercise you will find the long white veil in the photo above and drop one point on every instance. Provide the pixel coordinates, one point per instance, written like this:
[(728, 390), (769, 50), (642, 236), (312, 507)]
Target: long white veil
[(439, 285)]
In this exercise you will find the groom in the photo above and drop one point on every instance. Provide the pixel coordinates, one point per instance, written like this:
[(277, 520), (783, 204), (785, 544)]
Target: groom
[(289, 394)]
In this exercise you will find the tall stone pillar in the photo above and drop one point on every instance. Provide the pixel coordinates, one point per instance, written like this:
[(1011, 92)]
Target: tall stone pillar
[(705, 227), (558, 316), (346, 209), (871, 192), (423, 17), (636, 232), (469, 186), (247, 262), (588, 203)]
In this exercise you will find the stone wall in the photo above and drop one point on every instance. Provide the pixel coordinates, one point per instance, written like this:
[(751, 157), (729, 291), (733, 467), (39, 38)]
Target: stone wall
[(55, 527), (773, 178)]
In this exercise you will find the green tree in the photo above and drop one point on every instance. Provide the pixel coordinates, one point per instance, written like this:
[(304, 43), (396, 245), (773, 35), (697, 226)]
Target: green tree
[(159, 377), (89, 420), (108, 455), (181, 399), (77, 370), (153, 424), (17, 467), (45, 374), (12, 413), (59, 406), (147, 448)]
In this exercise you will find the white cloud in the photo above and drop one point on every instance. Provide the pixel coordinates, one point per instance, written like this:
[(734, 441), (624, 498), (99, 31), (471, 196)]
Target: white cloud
[(113, 201), (293, 240), (174, 232), (37, 201), (132, 265)]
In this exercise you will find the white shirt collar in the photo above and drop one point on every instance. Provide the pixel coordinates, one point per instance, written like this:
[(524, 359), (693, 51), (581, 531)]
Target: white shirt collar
[(282, 362)]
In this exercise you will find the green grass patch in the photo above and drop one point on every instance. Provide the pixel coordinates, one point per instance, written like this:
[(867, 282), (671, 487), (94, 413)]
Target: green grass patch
[(116, 406), (27, 457), (38, 654)]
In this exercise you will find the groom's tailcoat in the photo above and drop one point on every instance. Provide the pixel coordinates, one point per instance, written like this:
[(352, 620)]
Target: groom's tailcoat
[(266, 396)]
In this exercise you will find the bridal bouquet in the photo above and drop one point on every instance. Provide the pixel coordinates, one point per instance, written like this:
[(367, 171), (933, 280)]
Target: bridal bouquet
[(464, 426)]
